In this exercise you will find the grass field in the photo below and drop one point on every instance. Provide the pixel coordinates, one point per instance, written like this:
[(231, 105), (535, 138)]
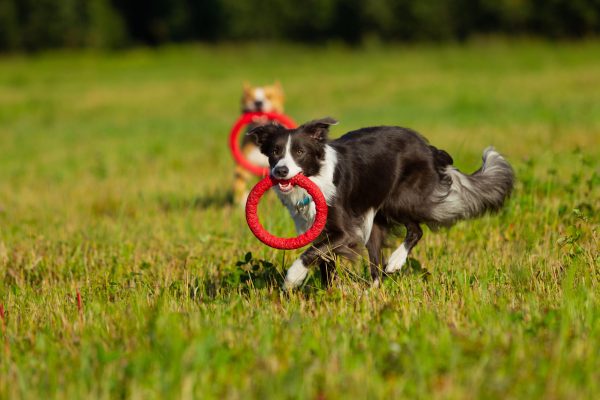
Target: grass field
[(114, 180)]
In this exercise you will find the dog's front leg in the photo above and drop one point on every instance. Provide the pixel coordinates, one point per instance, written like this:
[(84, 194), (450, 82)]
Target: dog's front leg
[(296, 274), (322, 250)]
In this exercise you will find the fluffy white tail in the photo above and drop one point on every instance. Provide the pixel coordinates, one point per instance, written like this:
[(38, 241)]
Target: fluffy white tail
[(462, 196)]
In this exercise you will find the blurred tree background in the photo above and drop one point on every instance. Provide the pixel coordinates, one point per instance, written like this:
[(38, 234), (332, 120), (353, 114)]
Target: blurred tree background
[(29, 25)]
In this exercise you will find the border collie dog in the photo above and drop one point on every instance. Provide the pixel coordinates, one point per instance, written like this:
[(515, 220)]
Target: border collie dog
[(375, 179)]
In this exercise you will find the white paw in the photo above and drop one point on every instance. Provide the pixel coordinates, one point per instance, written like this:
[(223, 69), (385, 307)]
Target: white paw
[(295, 275), (397, 260)]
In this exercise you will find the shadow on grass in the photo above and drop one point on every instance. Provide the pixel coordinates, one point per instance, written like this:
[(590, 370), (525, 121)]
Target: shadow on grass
[(249, 274), (216, 199), (414, 267), (252, 274)]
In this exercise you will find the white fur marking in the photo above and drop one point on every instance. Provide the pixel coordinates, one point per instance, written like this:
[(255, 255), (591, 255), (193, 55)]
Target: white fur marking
[(259, 94), (295, 274), (490, 165), (324, 179), (303, 218), (288, 161), (397, 259), (364, 230)]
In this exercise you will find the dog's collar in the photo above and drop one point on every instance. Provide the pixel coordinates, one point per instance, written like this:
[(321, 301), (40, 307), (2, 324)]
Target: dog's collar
[(304, 202), (301, 204)]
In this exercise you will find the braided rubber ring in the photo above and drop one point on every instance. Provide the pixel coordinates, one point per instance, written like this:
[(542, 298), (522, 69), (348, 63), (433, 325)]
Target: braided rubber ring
[(286, 243), (236, 129)]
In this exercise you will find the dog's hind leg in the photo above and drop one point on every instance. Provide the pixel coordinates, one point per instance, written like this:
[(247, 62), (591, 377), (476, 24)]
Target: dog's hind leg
[(374, 247), (400, 255)]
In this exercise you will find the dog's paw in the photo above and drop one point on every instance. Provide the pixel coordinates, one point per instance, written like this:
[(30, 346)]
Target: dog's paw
[(391, 268), (289, 286), (295, 275), (397, 260)]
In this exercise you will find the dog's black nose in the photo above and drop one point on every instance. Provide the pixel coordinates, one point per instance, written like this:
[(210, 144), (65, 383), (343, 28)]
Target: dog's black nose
[(258, 104), (281, 172)]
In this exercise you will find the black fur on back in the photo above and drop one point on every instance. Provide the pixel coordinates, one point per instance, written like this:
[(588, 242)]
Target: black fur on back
[(395, 171)]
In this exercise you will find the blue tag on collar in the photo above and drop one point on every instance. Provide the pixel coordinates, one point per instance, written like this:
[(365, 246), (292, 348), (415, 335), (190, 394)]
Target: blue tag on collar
[(304, 202), (301, 204)]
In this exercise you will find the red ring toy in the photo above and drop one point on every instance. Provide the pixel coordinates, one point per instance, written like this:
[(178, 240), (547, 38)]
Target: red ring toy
[(286, 243), (236, 129)]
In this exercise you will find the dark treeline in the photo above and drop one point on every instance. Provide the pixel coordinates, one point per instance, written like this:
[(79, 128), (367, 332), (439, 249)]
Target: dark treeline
[(38, 24)]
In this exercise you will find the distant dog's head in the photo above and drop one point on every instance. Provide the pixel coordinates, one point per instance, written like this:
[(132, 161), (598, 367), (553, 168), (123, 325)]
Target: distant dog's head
[(263, 98), (294, 151)]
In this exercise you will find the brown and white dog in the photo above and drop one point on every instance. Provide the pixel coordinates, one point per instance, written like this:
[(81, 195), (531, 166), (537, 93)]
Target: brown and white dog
[(255, 98)]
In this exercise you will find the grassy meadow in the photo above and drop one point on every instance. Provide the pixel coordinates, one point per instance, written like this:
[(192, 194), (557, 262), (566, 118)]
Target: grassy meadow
[(115, 180)]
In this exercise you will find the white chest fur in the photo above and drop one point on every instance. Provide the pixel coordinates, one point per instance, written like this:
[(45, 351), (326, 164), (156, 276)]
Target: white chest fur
[(305, 216)]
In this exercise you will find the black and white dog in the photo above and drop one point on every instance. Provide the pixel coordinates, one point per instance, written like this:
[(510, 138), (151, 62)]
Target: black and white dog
[(375, 179)]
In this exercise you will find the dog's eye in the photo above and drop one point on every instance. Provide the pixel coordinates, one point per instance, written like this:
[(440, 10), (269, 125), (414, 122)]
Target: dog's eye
[(276, 150), (299, 152)]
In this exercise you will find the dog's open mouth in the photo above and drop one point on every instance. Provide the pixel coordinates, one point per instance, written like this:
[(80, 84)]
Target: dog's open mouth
[(285, 187)]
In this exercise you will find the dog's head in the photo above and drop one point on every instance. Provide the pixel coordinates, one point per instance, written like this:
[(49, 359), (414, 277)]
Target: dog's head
[(263, 98), (293, 151)]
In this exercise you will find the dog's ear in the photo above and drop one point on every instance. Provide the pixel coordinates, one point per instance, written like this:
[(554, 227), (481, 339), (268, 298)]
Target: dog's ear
[(319, 128), (277, 88), (246, 86), (262, 132)]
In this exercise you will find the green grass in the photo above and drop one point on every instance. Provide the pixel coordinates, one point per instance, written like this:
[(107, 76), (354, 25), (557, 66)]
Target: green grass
[(114, 172)]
